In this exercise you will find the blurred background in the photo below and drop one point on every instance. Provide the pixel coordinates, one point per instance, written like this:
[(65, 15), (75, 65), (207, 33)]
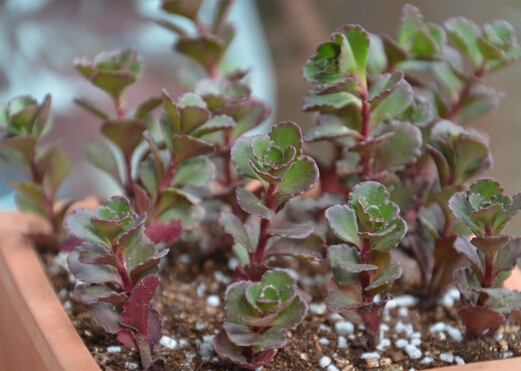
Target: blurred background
[(39, 39)]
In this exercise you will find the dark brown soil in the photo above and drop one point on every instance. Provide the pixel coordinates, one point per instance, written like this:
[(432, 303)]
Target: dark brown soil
[(188, 318)]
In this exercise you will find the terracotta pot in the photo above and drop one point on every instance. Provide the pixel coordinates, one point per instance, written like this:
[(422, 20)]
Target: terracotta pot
[(35, 331)]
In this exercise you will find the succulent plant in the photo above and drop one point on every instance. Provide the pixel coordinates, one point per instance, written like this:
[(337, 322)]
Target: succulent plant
[(369, 227), (258, 315), (116, 267), (23, 123), (485, 210)]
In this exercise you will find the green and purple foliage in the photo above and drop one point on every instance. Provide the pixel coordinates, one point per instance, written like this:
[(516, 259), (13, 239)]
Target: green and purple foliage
[(116, 267), (113, 72), (370, 227), (258, 315), (389, 109), (265, 302), (277, 162), (485, 210), (23, 122)]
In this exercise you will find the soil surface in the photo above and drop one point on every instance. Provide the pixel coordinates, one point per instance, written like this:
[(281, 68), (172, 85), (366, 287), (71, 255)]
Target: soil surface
[(192, 288)]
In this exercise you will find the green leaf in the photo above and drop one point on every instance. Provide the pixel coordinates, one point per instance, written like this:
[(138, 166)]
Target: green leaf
[(91, 107), (462, 210), (186, 147), (465, 35), (390, 96), (251, 204), (29, 197), (57, 167), (192, 117), (348, 259), (113, 82), (101, 156), (329, 102), (147, 106), (468, 250), (206, 49), (472, 157), (403, 148), (23, 111), (127, 134), (18, 152), (216, 123), (292, 315), (79, 224), (147, 174), (342, 220), (412, 21), (329, 132), (311, 247), (185, 8), (390, 240), (241, 153), (298, 232), (286, 134), (301, 176), (358, 40), (508, 256), (388, 276), (233, 226), (91, 273), (195, 172)]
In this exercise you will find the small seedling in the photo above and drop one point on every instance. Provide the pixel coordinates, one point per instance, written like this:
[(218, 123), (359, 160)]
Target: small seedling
[(492, 256), (116, 266)]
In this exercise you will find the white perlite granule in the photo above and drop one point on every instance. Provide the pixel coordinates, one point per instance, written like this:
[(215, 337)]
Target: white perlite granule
[(324, 362), (184, 258), (344, 328), (454, 333), (342, 342), (401, 327), (437, 327), (403, 312), (401, 301), (324, 327), (114, 349), (416, 341), (413, 352), (213, 301), (131, 366), (384, 343), (168, 342), (318, 308), (206, 351), (323, 341), (459, 360), (447, 357), (332, 368), (426, 361), (371, 355), (401, 343)]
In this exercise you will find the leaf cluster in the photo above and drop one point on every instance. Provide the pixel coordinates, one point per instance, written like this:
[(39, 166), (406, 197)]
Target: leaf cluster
[(23, 122), (116, 264), (485, 210), (258, 315), (370, 227)]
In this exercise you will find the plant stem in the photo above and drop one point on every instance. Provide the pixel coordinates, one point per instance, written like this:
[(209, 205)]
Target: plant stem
[(367, 296), (265, 225), (365, 130), (458, 105)]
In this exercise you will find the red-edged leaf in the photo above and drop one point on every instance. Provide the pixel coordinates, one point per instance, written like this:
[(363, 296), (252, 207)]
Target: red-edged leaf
[(160, 232), (478, 320), (139, 313)]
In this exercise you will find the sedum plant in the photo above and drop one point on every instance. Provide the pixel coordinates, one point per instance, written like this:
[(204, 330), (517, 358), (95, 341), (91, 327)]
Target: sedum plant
[(265, 302), (116, 265), (258, 315), (391, 111), (485, 210), (369, 227), (23, 124)]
